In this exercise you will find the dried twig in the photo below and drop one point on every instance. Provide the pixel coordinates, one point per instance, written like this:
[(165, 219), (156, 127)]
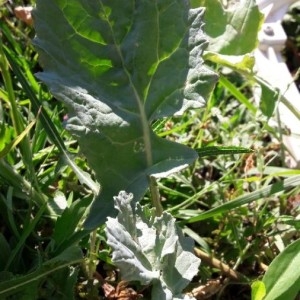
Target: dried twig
[(224, 268)]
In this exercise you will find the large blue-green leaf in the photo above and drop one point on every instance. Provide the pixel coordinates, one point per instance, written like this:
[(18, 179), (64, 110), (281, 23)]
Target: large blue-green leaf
[(118, 65)]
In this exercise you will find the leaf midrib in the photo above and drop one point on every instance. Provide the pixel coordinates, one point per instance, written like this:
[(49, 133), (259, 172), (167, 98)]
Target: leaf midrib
[(145, 125)]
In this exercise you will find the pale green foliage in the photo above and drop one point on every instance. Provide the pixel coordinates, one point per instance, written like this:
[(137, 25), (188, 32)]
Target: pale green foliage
[(231, 31), (233, 36), (258, 290), (151, 249)]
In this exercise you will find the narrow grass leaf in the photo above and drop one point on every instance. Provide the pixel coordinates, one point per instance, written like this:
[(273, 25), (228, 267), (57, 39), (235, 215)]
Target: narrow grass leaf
[(68, 223), (15, 114), (9, 216), (28, 229), (248, 198), (18, 182), (237, 93), (290, 106), (221, 150), (16, 141), (72, 255), (48, 125), (7, 32)]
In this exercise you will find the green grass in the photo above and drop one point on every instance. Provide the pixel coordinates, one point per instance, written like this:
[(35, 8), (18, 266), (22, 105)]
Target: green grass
[(242, 208)]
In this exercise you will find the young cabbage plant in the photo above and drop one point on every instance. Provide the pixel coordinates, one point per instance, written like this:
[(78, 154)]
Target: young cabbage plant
[(151, 249), (118, 66)]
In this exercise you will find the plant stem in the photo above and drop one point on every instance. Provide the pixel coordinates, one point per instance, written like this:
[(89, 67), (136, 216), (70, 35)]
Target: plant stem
[(216, 263), (92, 256), (241, 256), (155, 197)]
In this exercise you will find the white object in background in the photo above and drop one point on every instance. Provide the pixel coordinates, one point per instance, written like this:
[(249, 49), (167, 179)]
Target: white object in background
[(271, 67)]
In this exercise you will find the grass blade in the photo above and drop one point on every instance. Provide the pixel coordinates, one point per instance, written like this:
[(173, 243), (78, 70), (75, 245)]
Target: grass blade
[(236, 93), (70, 256), (51, 130), (16, 141), (246, 199), (221, 150)]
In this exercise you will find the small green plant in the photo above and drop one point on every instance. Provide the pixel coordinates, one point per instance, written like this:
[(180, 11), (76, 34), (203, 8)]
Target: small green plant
[(151, 249)]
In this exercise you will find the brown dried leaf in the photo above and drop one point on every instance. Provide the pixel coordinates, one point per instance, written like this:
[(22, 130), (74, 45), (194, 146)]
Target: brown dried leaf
[(207, 290), (121, 292), (23, 13)]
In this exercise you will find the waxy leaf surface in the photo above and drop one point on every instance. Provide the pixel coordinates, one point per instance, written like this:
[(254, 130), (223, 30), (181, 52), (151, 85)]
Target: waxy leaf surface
[(118, 66), (151, 250)]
